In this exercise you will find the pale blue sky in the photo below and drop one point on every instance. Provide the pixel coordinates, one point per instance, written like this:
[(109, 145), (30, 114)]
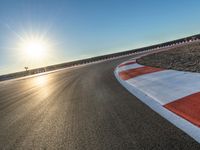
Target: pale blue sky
[(84, 28)]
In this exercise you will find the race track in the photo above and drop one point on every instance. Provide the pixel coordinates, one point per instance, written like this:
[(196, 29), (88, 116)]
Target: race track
[(83, 108)]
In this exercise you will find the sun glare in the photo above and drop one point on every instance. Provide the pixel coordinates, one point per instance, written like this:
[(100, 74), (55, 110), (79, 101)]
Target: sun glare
[(34, 48)]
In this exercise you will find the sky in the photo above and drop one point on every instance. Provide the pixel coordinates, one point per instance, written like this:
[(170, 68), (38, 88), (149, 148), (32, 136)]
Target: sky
[(76, 29)]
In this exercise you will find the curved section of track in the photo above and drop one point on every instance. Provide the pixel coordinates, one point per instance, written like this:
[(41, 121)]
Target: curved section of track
[(82, 108)]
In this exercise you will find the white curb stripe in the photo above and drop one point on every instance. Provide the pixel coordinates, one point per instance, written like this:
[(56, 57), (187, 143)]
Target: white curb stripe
[(168, 85)]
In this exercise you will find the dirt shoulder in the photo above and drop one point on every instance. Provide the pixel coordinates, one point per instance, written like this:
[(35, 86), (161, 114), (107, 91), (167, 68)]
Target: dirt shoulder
[(185, 58)]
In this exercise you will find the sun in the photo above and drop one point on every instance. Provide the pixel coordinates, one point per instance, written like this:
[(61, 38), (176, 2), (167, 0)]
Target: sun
[(34, 48)]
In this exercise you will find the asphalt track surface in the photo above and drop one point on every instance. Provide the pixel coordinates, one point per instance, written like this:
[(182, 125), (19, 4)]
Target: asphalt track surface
[(84, 108)]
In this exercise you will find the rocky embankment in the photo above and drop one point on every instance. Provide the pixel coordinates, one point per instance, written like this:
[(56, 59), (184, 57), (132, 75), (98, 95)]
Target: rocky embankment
[(185, 58)]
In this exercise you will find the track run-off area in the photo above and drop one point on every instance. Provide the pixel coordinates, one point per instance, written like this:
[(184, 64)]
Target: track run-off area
[(82, 108)]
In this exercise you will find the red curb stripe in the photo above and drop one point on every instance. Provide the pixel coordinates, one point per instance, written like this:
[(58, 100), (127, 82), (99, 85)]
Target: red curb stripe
[(128, 63), (187, 107), (131, 73)]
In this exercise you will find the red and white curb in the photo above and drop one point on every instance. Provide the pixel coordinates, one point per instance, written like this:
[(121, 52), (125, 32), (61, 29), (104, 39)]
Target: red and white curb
[(175, 95)]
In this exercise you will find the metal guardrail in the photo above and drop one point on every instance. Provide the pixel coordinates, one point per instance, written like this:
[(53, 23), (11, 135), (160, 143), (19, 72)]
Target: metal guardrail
[(98, 58)]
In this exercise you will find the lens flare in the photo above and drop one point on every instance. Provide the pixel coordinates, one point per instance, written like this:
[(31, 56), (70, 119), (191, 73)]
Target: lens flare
[(34, 48)]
